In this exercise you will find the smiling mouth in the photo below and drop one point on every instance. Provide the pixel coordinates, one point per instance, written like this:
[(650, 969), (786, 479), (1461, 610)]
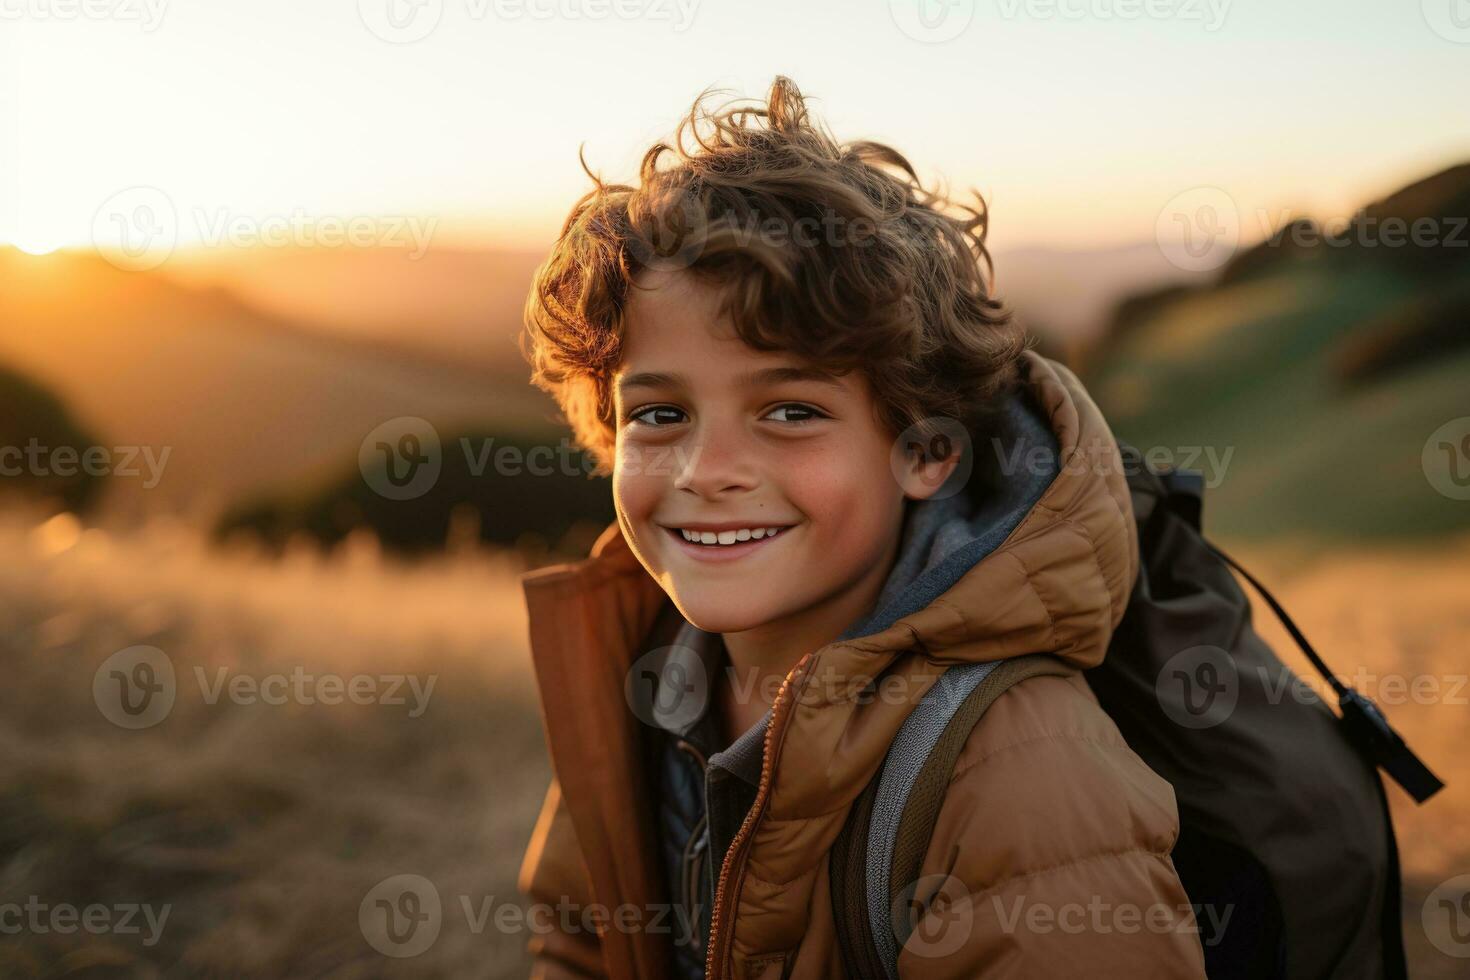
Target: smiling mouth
[(725, 539), (735, 544)]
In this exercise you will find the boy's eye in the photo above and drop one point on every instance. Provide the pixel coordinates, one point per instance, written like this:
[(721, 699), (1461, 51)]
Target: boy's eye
[(803, 413), (665, 415), (665, 410)]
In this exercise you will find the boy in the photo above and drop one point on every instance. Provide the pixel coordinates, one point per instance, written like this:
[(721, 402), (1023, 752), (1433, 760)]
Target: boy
[(782, 347)]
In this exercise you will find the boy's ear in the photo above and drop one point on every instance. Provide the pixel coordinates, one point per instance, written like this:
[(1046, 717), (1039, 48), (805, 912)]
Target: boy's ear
[(921, 473)]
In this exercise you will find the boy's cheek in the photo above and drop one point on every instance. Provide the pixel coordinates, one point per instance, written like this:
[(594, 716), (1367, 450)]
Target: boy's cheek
[(635, 499)]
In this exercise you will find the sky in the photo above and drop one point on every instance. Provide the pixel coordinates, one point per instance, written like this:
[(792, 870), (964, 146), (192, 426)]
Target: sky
[(1079, 120)]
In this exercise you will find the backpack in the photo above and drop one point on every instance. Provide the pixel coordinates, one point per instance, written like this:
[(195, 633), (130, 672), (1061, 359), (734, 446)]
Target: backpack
[(1283, 816)]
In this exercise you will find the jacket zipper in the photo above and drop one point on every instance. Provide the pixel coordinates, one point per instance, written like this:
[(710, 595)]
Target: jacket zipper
[(692, 873), (727, 888), (692, 866)]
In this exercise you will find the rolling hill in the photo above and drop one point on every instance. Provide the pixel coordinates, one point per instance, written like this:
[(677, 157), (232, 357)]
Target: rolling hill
[(1318, 373), (244, 399)]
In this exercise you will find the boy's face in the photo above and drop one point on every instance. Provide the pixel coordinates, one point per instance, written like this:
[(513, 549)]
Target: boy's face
[(719, 442)]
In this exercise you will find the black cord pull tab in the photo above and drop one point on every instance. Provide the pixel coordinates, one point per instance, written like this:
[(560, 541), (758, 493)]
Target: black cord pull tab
[(1375, 738), (1364, 723)]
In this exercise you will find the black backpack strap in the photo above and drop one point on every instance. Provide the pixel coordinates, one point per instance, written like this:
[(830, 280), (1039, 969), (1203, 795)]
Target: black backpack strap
[(1366, 725)]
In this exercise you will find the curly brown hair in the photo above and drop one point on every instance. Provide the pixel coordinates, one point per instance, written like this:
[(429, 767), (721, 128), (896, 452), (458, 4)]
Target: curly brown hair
[(892, 287)]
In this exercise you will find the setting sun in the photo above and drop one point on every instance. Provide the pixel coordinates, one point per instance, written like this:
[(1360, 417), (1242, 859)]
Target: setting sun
[(32, 245)]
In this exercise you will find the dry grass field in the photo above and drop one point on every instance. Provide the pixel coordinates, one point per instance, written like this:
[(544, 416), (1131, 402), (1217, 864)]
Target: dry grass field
[(261, 828)]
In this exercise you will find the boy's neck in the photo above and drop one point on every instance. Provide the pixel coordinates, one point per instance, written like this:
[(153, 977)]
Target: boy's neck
[(760, 658)]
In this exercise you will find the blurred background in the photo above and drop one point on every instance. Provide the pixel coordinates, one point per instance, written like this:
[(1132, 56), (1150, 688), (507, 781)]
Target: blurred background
[(248, 252)]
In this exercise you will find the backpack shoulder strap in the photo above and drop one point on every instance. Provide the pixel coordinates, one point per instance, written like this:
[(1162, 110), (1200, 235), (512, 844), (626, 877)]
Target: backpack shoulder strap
[(880, 850)]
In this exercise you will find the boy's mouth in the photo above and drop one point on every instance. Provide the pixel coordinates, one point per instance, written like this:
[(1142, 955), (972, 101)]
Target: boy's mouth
[(737, 542)]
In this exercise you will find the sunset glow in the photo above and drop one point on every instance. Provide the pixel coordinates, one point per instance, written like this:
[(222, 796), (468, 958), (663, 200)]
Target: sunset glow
[(1077, 128)]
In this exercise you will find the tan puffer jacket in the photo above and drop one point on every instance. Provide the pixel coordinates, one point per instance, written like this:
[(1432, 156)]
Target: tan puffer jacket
[(1053, 839)]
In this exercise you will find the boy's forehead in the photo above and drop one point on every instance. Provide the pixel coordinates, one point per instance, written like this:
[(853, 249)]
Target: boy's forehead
[(676, 330), (659, 295), (746, 369), (668, 312)]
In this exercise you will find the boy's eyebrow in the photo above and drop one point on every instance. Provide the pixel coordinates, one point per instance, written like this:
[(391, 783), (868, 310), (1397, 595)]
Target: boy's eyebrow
[(749, 379)]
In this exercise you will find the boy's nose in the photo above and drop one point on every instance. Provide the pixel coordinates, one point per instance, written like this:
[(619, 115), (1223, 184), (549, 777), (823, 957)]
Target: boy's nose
[(716, 463)]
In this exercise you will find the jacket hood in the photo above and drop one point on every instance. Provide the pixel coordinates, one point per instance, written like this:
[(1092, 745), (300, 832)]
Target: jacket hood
[(1045, 567), (946, 535)]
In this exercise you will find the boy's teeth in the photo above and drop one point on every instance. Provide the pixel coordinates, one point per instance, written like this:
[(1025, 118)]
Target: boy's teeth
[(729, 537)]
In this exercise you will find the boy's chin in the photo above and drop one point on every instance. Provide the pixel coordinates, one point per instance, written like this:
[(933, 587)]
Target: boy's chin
[(721, 612)]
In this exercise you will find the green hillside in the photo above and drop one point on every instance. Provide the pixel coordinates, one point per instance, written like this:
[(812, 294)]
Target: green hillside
[(1322, 371)]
